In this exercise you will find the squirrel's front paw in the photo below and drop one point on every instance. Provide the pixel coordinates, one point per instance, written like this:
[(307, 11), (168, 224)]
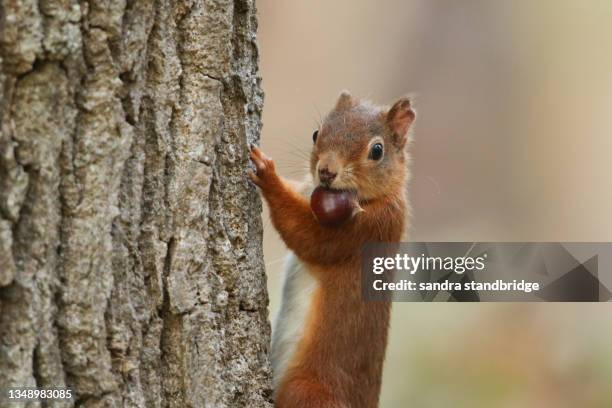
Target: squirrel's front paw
[(266, 172)]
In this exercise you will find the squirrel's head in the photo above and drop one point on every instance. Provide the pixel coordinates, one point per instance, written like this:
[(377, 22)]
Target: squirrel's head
[(361, 147)]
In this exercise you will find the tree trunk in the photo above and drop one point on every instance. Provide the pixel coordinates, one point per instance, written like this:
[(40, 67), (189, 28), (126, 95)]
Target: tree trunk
[(131, 266)]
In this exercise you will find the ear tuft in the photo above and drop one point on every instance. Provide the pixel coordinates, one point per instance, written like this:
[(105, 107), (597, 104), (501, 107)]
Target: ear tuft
[(399, 119), (345, 101)]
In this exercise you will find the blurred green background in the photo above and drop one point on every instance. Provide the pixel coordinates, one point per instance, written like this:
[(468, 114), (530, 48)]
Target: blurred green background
[(512, 143)]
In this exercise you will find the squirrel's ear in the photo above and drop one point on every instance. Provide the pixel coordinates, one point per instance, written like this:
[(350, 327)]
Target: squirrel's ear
[(399, 119), (345, 101)]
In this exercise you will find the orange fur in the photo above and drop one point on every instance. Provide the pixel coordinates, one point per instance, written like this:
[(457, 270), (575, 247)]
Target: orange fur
[(339, 359)]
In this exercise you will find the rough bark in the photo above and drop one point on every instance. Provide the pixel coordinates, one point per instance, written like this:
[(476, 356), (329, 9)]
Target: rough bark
[(130, 240)]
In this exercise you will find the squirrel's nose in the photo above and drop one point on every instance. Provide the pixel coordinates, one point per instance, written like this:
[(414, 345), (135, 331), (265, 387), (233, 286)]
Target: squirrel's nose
[(326, 176)]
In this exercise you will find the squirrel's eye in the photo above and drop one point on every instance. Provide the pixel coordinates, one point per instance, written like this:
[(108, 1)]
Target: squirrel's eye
[(314, 136), (376, 152)]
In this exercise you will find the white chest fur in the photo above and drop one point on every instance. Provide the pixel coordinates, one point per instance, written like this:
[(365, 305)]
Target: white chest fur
[(298, 289)]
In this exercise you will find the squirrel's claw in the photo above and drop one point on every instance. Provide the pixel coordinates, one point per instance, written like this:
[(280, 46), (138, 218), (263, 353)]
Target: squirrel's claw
[(254, 177)]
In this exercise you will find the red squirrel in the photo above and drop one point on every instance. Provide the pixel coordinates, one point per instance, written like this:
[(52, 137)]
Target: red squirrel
[(328, 344)]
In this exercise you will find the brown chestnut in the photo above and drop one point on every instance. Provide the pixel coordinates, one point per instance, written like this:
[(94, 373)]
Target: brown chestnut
[(332, 207)]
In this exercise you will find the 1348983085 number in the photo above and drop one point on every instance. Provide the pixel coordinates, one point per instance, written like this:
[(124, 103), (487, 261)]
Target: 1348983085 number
[(33, 394)]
